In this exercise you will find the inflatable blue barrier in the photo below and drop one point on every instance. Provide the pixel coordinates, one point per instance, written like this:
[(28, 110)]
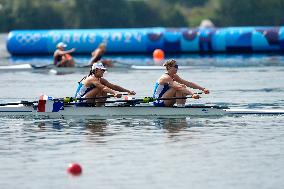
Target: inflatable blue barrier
[(146, 40)]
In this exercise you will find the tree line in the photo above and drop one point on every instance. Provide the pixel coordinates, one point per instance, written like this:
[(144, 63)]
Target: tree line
[(62, 14)]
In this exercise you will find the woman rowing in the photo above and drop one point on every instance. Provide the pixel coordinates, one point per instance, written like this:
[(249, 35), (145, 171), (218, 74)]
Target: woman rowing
[(94, 86), (61, 57), (170, 85), (97, 55)]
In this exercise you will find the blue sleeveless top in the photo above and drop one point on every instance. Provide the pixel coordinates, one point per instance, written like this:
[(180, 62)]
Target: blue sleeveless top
[(159, 90), (82, 90)]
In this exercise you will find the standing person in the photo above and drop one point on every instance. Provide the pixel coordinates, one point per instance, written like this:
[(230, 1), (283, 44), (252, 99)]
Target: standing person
[(94, 85), (97, 55), (171, 85), (62, 58)]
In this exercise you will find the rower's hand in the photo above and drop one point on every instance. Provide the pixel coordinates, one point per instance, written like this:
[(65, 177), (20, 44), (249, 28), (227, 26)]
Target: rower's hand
[(132, 93), (206, 91), (117, 95), (195, 96)]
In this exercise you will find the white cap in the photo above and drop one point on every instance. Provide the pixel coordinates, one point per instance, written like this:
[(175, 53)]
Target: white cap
[(61, 44), (98, 65)]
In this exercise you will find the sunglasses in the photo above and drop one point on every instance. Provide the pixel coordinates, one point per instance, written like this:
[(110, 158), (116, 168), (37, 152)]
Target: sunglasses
[(175, 66), (103, 70), (94, 71)]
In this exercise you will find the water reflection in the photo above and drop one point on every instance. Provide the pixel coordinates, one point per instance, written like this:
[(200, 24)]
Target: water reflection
[(54, 124), (97, 127), (100, 126), (173, 125)]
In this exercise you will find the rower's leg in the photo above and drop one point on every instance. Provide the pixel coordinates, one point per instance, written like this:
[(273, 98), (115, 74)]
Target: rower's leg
[(169, 94), (92, 94), (70, 63), (101, 102), (180, 102)]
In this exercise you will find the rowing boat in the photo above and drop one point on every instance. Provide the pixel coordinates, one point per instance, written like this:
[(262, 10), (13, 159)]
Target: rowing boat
[(49, 107), (142, 110), (46, 68), (49, 68)]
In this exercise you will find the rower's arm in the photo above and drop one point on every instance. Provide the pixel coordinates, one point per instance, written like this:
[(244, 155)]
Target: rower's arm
[(180, 87), (95, 55), (188, 83), (104, 87), (92, 60), (66, 52), (115, 87)]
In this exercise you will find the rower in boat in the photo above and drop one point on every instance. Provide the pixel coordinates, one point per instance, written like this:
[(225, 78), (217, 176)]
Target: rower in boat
[(62, 57), (94, 86), (170, 85), (97, 55)]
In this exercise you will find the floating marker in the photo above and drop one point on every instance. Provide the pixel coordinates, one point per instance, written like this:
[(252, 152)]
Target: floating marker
[(74, 169)]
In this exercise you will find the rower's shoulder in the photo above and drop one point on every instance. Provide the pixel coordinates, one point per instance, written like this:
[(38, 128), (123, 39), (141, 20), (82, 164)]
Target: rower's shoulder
[(165, 78), (176, 76), (56, 52)]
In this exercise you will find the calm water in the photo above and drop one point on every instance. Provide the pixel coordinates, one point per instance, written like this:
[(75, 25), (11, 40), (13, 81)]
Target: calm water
[(221, 152)]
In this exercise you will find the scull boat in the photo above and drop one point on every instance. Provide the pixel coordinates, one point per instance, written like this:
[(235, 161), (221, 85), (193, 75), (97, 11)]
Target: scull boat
[(125, 110), (50, 68), (78, 68)]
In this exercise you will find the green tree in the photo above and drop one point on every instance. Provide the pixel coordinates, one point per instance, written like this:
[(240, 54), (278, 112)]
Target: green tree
[(250, 12), (188, 3), (43, 14), (97, 13)]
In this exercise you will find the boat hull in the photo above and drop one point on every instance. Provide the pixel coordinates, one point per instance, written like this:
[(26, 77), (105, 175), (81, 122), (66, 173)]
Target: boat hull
[(71, 111), (110, 111)]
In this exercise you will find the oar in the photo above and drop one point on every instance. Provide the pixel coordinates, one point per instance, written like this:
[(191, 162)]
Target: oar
[(148, 99), (44, 66), (72, 99), (65, 100), (137, 101), (28, 103), (69, 100)]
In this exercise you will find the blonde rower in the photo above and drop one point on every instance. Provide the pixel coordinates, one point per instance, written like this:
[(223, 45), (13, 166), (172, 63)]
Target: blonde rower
[(97, 55), (171, 85)]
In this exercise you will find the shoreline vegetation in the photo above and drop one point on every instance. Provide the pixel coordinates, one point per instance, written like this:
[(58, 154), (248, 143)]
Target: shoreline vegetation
[(69, 14)]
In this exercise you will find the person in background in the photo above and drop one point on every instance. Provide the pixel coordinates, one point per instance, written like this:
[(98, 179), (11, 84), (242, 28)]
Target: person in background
[(206, 23), (94, 85), (171, 85), (62, 57), (97, 55)]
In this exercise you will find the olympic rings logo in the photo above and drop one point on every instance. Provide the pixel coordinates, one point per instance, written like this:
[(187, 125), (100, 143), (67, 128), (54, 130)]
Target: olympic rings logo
[(28, 39)]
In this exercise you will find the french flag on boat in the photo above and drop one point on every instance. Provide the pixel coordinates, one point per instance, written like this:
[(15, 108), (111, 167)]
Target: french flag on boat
[(48, 104)]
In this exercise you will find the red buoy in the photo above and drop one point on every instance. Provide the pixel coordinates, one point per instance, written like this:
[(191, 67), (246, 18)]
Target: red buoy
[(74, 169), (158, 55)]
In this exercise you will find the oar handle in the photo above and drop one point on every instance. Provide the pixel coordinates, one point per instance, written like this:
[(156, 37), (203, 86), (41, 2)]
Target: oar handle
[(147, 99), (74, 99)]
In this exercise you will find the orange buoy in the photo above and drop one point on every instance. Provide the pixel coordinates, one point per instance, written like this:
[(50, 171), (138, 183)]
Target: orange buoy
[(158, 54), (74, 169)]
